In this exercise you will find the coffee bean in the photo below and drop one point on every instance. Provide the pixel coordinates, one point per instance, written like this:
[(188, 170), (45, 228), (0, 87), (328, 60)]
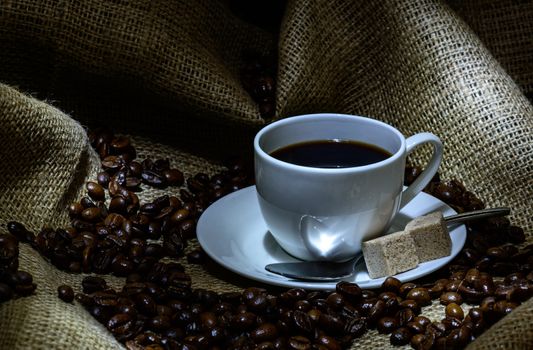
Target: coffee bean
[(420, 295), (411, 304), (93, 284), (299, 343), (350, 291), (451, 297), (20, 232), (153, 178), (264, 332), (196, 256), (173, 177), (422, 341), (405, 316), (95, 191), (332, 324), (391, 284), (335, 301), (355, 327), (458, 338), (451, 323), (455, 311), (377, 311), (387, 324), (401, 336), (406, 288)]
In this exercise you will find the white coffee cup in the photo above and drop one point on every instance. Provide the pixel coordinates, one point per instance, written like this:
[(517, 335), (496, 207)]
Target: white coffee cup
[(325, 213)]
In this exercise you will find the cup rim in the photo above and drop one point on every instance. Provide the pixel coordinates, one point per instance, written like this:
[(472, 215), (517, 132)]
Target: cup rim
[(315, 116)]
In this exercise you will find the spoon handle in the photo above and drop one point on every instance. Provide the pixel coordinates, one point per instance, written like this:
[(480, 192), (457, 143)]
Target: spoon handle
[(477, 214)]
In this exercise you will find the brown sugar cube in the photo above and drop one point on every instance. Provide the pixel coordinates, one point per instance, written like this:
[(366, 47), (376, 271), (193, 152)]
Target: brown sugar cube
[(431, 236), (390, 254)]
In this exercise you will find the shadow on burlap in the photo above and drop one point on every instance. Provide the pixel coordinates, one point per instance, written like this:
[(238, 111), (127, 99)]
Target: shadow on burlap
[(168, 73)]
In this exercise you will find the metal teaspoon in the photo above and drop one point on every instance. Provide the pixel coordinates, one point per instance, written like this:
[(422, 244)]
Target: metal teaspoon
[(324, 271)]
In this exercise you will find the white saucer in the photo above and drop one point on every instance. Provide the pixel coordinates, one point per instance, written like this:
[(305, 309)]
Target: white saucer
[(233, 233)]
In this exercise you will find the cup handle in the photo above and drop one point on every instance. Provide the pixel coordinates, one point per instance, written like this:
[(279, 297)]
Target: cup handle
[(431, 169)]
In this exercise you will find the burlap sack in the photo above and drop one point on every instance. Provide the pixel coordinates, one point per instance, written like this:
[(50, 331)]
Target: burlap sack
[(170, 70)]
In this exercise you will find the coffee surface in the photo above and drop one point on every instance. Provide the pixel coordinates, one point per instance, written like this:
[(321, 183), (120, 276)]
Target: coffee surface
[(331, 154)]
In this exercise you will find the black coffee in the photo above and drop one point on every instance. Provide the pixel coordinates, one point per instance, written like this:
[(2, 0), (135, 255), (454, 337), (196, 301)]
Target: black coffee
[(331, 154)]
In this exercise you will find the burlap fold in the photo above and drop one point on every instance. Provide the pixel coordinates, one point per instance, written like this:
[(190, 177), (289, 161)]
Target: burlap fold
[(169, 73)]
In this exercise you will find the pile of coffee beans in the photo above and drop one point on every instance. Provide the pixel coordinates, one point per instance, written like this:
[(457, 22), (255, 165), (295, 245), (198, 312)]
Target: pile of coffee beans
[(258, 79), (158, 308), (13, 282), (112, 232)]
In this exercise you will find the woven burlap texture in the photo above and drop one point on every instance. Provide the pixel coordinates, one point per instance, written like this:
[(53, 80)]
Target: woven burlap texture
[(171, 69)]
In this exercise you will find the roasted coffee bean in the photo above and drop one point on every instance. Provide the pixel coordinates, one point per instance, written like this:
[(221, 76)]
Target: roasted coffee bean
[(314, 314), (20, 232), (405, 289), (335, 301), (438, 329), (420, 295), (302, 322), (299, 343), (451, 297), (120, 143), (451, 323), (391, 284), (153, 178), (405, 316), (422, 341), (422, 320), (455, 311), (350, 291), (475, 320), (366, 305), (9, 249), (332, 324), (415, 327), (87, 202), (401, 336), (243, 321), (93, 284), (355, 327), (21, 278), (117, 321), (95, 191), (437, 289), (196, 256), (504, 307), (377, 311), (458, 338), (387, 324), (105, 299), (411, 304), (264, 332), (103, 179), (173, 177), (75, 210), (92, 214), (470, 295), (387, 296)]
